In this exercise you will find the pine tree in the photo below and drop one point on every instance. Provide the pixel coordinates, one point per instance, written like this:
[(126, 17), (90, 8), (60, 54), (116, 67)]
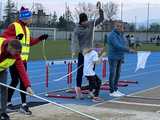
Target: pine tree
[(10, 12), (54, 20)]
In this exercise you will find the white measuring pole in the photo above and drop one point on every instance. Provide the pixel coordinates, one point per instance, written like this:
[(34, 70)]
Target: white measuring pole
[(57, 104)]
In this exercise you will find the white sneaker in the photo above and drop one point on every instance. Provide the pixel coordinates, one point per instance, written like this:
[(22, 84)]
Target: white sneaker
[(120, 93), (113, 94), (91, 95), (116, 94)]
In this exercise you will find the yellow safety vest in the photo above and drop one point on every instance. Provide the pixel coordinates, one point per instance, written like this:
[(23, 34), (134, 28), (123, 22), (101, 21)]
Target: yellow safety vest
[(8, 61), (25, 42)]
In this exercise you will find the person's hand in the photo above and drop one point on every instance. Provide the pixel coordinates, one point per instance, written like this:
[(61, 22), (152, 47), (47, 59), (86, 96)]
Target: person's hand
[(29, 90), (73, 54), (43, 37), (19, 36), (103, 54)]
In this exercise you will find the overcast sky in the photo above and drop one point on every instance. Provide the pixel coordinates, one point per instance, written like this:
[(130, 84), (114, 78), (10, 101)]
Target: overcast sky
[(131, 8)]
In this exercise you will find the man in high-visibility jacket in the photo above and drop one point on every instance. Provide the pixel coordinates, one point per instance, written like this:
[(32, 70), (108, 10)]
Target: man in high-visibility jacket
[(9, 54), (20, 27)]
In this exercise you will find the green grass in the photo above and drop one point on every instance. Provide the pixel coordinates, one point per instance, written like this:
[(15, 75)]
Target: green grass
[(61, 49), (53, 50), (149, 47)]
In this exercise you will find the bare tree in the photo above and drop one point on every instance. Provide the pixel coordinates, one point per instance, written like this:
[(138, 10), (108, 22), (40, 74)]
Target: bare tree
[(87, 8), (38, 6), (68, 18), (54, 19), (110, 10), (68, 14)]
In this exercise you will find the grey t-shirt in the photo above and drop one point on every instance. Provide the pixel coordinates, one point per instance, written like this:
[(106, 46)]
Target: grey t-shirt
[(83, 34)]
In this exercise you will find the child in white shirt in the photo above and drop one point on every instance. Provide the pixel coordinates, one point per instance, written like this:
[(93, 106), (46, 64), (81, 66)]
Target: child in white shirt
[(90, 59)]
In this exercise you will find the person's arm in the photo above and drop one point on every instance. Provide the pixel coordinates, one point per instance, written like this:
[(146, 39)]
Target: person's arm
[(118, 45), (97, 62), (96, 22), (35, 41), (96, 59), (100, 59), (9, 32), (101, 17), (22, 72)]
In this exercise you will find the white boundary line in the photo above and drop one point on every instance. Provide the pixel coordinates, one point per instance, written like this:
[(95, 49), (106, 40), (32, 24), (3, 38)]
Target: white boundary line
[(142, 97), (134, 103), (128, 95), (149, 66), (128, 76), (142, 91)]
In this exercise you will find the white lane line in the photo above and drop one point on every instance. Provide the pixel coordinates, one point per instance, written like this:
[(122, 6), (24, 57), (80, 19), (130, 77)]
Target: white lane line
[(149, 66), (132, 94), (142, 91), (135, 103), (140, 74)]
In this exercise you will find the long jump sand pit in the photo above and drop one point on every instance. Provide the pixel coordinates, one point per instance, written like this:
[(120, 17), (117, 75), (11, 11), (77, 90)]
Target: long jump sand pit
[(51, 112)]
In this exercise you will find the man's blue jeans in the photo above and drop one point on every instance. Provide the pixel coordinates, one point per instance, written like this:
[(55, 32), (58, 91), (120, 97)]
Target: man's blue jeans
[(115, 69)]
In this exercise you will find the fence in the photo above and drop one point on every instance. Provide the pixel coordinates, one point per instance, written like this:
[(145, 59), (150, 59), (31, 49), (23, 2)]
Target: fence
[(99, 35)]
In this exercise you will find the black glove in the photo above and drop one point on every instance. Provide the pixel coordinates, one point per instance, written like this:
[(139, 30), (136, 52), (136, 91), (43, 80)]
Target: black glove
[(19, 36), (43, 37)]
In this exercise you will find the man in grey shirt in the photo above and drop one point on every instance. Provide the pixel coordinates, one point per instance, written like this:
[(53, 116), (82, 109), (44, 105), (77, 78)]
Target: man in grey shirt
[(82, 38)]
